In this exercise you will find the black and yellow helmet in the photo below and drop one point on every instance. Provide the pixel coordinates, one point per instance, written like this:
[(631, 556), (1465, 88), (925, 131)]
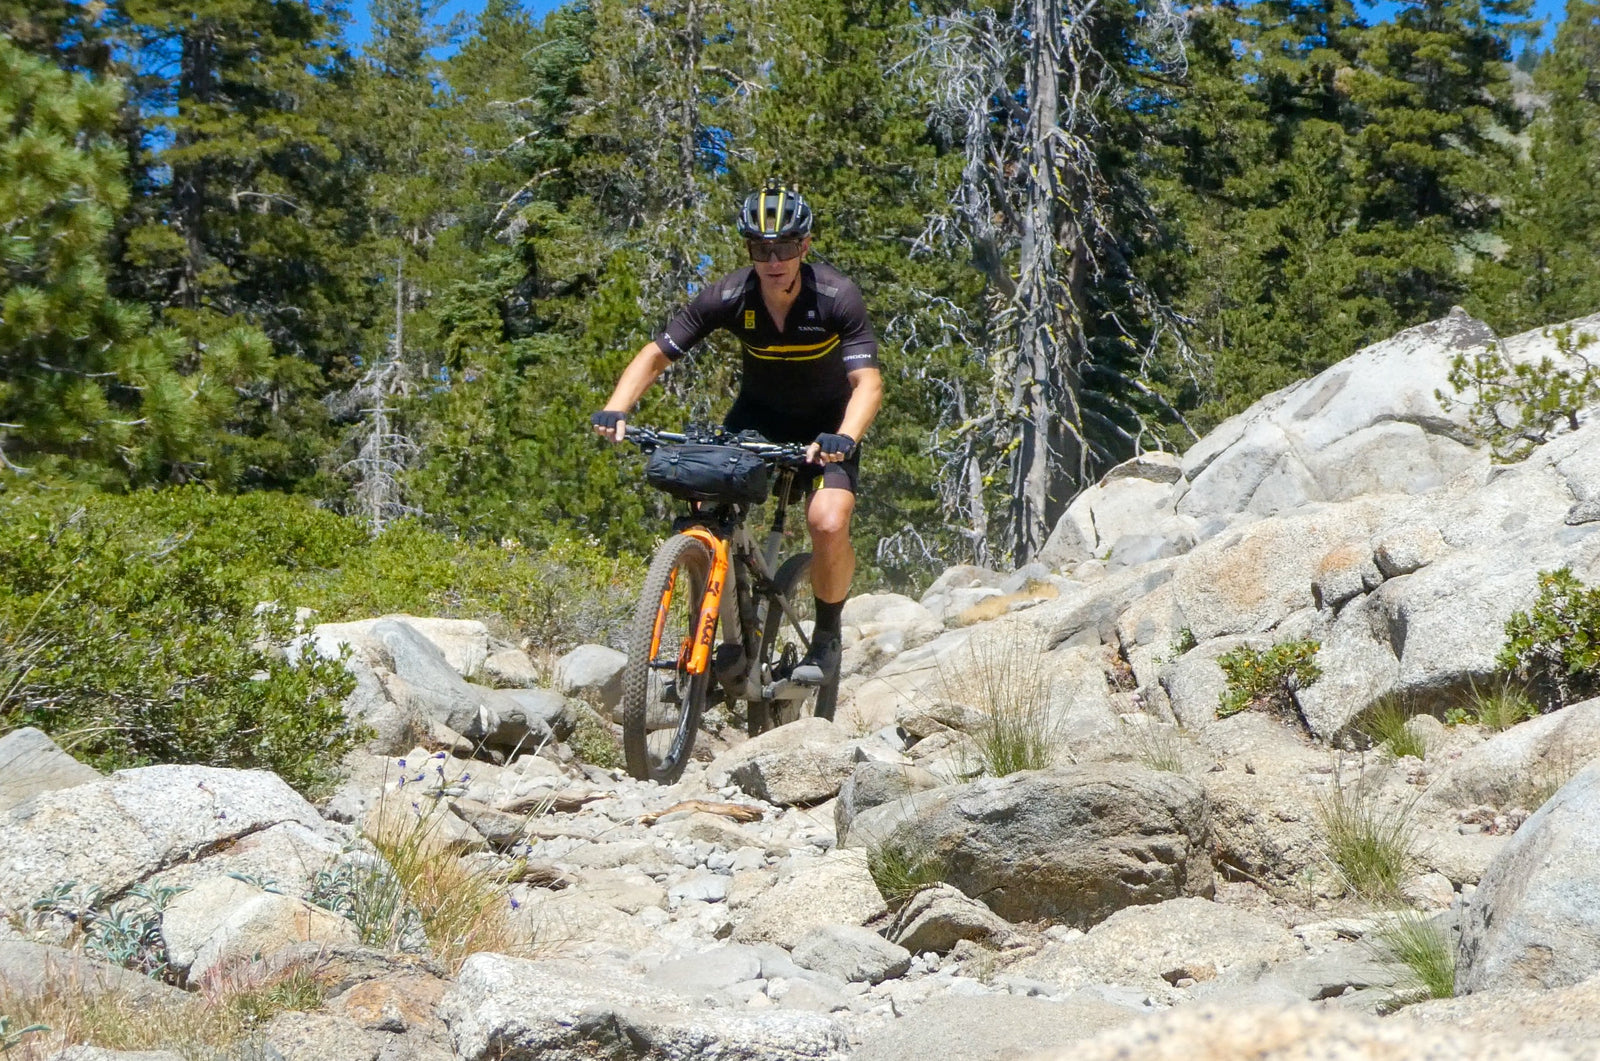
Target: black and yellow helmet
[(777, 211)]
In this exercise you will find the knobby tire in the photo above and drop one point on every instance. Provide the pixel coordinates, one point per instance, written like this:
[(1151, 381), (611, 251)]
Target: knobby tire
[(691, 560)]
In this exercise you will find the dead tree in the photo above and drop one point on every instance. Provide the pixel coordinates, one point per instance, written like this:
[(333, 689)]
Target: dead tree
[(382, 450), (1021, 92)]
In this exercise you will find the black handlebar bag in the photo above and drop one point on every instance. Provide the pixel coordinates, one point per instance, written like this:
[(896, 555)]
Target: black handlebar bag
[(725, 475)]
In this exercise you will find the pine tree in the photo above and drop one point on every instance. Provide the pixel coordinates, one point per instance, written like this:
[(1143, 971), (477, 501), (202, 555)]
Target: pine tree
[(86, 387), (1349, 183), (1547, 272), (1046, 103), (244, 209)]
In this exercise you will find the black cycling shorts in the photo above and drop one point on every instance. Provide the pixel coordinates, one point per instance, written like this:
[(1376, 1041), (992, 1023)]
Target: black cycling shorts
[(841, 475)]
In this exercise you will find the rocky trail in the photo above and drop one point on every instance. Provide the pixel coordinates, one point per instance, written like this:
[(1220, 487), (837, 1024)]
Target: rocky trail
[(1171, 886)]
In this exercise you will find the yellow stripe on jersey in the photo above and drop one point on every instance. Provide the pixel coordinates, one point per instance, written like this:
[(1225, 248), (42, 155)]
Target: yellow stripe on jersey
[(808, 352)]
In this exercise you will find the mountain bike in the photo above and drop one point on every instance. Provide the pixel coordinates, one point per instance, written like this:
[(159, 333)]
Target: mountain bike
[(671, 641)]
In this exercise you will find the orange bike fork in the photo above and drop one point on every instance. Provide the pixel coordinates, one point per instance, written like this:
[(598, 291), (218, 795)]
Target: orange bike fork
[(705, 631)]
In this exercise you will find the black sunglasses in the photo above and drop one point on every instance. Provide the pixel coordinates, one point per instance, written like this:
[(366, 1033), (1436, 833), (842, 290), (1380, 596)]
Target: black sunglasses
[(783, 250)]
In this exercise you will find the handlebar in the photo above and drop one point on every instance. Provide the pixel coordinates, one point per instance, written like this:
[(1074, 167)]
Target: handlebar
[(648, 438)]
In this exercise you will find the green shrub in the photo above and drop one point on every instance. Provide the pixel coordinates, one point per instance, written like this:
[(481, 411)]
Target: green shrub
[(131, 647), (1515, 407), (1268, 680), (593, 742), (131, 629), (1386, 725), (1555, 646)]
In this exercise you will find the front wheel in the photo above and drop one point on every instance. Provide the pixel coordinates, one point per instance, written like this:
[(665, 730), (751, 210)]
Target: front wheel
[(661, 701)]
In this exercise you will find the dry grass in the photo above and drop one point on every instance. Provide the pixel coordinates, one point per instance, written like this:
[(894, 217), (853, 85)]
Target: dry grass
[(1000, 675), (1156, 745), (461, 909), (222, 1017)]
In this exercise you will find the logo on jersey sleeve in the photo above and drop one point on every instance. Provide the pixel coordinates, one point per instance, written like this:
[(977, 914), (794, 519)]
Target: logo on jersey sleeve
[(749, 319)]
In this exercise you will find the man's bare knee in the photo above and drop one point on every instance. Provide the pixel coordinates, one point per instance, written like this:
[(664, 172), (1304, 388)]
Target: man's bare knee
[(829, 517)]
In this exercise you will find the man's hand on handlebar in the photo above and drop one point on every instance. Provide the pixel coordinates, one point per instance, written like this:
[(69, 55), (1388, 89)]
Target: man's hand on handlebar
[(830, 449), (610, 424)]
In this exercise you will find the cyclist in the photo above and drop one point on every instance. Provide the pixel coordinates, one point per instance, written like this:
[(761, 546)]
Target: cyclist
[(809, 375)]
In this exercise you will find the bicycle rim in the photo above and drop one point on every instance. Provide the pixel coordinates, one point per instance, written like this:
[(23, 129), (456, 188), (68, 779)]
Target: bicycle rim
[(661, 701), (783, 643)]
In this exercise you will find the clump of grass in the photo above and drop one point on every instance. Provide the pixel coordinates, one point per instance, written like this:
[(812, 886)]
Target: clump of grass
[(1000, 676), (1500, 705), (593, 742), (1156, 746), (1373, 847), (1424, 949), (1387, 725), (900, 871), (460, 909)]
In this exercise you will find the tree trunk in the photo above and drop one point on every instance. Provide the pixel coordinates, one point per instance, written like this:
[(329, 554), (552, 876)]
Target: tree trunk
[(196, 88)]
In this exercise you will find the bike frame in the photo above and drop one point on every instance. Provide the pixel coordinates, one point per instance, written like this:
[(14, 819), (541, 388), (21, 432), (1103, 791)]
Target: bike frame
[(738, 551)]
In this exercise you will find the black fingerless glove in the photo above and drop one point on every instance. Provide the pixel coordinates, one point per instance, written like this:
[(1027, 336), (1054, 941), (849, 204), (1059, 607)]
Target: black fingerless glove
[(841, 445), (607, 419)]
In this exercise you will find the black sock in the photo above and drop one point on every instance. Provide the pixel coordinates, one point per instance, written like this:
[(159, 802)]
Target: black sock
[(828, 616)]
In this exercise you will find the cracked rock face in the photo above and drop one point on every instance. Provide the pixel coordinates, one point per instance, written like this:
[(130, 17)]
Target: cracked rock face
[(118, 831)]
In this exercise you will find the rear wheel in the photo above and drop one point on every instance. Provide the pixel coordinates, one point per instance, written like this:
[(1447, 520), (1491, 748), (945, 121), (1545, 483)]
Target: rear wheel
[(661, 701), (784, 643)]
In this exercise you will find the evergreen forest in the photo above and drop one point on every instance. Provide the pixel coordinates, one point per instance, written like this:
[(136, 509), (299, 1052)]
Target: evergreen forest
[(392, 280)]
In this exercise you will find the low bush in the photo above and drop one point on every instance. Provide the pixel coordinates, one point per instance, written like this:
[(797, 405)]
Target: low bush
[(131, 645), (1268, 680), (1555, 646), (132, 631), (126, 932)]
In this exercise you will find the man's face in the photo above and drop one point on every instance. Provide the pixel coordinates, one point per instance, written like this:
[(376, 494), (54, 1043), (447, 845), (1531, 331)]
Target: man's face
[(782, 259)]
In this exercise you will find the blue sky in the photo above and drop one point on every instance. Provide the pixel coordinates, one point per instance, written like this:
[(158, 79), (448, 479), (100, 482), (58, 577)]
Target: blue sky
[(361, 25)]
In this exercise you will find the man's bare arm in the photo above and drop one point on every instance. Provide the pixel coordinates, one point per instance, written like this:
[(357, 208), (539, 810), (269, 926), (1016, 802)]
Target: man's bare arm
[(646, 366), (866, 398)]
